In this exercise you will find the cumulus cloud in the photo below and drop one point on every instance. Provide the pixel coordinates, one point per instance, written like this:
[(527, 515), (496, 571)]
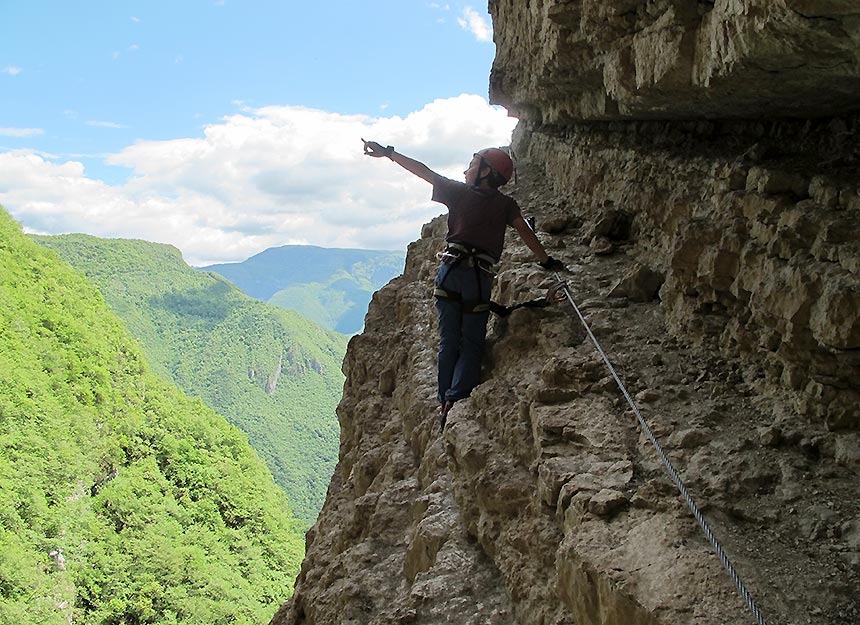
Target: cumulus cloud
[(20, 132), (274, 176), (477, 24), (11, 70)]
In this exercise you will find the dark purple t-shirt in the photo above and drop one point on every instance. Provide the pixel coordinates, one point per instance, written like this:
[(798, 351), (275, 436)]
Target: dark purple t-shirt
[(476, 217)]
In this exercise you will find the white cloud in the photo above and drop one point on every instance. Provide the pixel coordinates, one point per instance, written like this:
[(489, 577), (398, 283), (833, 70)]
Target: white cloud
[(20, 132), (11, 70), (277, 175), (242, 106), (479, 25), (103, 124)]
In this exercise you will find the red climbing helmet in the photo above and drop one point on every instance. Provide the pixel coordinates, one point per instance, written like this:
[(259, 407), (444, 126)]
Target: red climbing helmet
[(499, 161)]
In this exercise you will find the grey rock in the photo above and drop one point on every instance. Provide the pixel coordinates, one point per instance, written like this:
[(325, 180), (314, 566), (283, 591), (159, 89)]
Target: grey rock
[(640, 285), (847, 449), (601, 246), (599, 60), (607, 502)]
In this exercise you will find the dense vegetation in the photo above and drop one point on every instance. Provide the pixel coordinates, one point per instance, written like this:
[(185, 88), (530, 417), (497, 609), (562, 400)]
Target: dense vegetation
[(330, 286), (122, 500), (271, 372)]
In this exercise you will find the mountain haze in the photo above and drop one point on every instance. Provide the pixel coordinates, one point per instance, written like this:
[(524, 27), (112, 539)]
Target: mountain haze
[(329, 285), (271, 372), (122, 500)]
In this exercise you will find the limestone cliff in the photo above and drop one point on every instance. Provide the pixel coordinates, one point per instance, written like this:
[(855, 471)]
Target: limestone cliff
[(716, 260), (568, 60)]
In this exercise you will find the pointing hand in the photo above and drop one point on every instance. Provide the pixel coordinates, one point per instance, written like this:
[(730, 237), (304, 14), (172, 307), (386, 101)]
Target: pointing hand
[(372, 148)]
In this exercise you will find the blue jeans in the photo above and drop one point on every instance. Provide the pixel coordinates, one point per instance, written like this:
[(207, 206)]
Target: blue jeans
[(461, 335)]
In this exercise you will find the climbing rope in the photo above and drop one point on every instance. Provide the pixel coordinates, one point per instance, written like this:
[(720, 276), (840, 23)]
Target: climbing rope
[(673, 473)]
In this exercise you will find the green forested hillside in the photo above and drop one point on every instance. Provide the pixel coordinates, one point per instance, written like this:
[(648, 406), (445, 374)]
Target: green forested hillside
[(271, 372), (328, 285), (122, 500)]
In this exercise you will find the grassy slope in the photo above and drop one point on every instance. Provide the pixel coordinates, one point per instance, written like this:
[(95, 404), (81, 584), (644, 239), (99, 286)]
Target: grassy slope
[(122, 500), (222, 346)]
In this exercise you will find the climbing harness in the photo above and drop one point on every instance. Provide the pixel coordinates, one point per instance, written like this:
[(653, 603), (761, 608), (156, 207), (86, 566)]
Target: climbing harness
[(554, 294), (673, 473), (457, 253), (468, 306)]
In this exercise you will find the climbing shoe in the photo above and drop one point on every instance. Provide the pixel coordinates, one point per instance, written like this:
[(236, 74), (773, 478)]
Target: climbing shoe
[(444, 408)]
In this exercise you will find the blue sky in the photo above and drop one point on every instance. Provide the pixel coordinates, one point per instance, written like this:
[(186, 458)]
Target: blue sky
[(115, 111)]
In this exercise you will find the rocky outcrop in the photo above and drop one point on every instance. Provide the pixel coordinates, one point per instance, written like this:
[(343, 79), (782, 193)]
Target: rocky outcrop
[(715, 258), (752, 226), (272, 380), (291, 363), (542, 502), (564, 60)]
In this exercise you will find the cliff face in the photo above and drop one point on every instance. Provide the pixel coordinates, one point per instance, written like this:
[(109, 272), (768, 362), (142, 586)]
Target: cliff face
[(563, 60), (717, 263)]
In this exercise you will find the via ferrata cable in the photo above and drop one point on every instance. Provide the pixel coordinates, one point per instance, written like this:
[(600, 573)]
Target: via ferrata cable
[(673, 473)]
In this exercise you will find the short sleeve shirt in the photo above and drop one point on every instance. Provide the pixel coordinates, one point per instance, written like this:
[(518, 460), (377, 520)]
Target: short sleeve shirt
[(476, 217)]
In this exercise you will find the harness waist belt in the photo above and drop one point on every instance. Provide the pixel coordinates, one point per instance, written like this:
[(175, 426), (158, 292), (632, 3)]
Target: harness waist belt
[(457, 252), (468, 307)]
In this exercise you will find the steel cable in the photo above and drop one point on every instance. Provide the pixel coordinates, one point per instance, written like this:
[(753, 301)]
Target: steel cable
[(673, 473)]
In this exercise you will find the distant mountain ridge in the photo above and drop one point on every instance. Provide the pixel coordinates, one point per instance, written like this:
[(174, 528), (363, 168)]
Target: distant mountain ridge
[(271, 372), (331, 286)]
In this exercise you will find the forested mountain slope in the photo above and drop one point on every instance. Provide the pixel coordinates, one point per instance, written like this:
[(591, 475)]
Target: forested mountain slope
[(271, 372), (122, 500), (329, 285)]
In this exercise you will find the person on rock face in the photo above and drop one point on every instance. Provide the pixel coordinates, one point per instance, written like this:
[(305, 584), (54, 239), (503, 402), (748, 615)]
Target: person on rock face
[(478, 214)]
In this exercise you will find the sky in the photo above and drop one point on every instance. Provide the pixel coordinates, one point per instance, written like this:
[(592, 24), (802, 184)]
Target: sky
[(225, 127)]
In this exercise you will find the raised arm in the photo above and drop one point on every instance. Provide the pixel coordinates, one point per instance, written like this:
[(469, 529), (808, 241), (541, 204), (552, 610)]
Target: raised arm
[(372, 148)]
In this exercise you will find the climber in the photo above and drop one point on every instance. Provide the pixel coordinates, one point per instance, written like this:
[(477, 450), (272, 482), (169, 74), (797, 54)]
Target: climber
[(478, 214)]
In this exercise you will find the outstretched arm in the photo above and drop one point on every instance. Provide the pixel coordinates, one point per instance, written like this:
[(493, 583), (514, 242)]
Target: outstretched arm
[(372, 148), (416, 167)]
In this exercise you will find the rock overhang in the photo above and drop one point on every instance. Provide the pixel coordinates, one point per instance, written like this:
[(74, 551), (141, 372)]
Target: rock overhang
[(563, 61)]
